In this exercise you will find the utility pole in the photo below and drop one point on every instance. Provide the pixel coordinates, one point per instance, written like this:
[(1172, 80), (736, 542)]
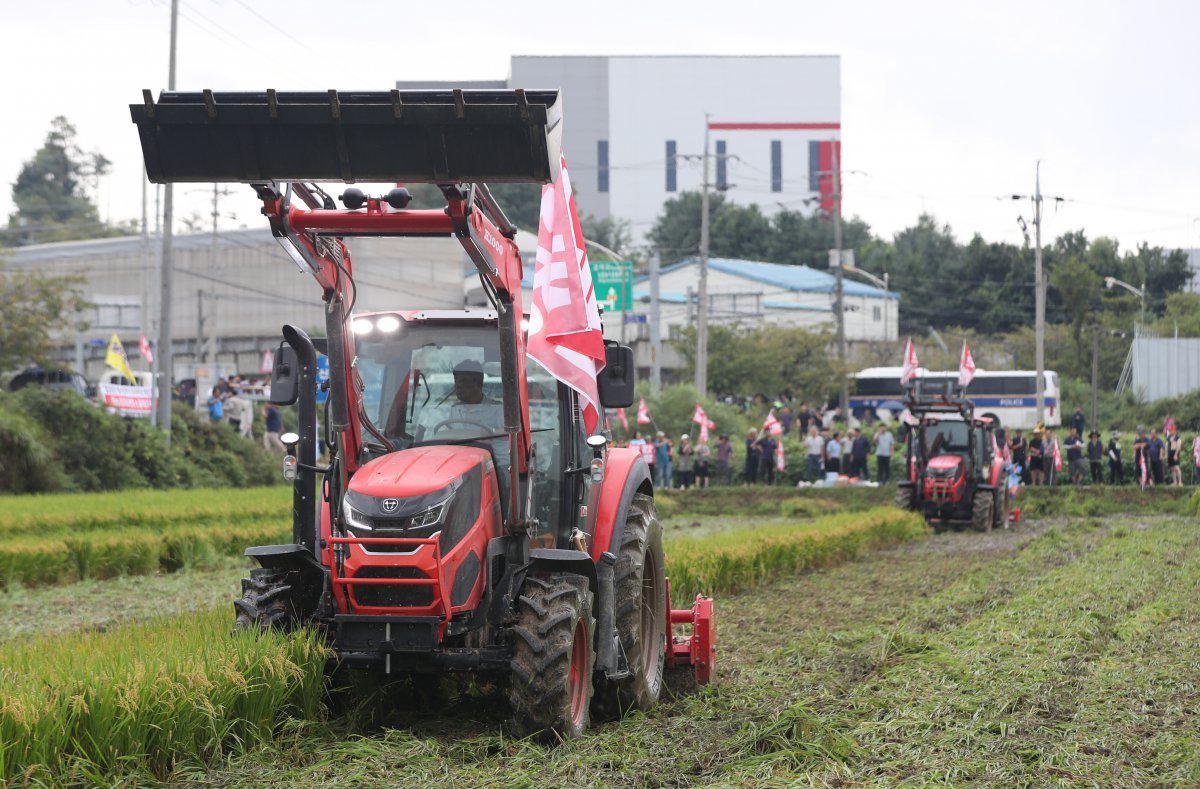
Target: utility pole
[(1039, 298), (1095, 371), (702, 296), (655, 325), (840, 314), (164, 356)]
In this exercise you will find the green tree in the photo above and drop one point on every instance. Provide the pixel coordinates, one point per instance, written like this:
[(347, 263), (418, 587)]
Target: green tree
[(34, 307), (51, 191), (1077, 288), (768, 360), (612, 232)]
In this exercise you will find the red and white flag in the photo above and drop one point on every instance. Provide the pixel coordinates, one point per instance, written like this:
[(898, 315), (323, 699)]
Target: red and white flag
[(643, 415), (1196, 450), (564, 321), (268, 361), (701, 418), (772, 425), (909, 370), (624, 421), (144, 347), (1057, 455), (780, 462), (966, 366)]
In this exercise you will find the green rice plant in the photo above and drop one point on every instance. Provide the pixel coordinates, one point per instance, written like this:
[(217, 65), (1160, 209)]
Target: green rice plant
[(152, 509), (731, 561), (147, 699), (35, 561)]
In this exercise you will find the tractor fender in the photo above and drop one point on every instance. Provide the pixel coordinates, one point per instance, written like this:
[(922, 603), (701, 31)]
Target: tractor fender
[(565, 560), (625, 475)]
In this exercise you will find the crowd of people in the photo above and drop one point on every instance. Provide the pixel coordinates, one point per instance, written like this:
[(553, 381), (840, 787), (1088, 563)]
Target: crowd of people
[(227, 404), (1039, 456)]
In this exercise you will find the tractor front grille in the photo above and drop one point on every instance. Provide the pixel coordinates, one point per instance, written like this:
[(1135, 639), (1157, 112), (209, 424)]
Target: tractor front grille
[(389, 595)]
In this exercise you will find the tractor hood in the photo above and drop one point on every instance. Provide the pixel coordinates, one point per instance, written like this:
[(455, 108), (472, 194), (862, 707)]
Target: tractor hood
[(944, 465), (414, 478)]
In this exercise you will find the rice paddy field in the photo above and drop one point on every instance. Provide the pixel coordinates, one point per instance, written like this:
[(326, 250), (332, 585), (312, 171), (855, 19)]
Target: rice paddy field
[(855, 648)]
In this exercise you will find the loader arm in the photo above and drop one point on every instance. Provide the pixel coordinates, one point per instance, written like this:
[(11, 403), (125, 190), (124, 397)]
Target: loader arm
[(280, 143)]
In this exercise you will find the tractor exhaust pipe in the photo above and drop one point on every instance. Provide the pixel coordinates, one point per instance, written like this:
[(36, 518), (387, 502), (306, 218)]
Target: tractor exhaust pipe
[(304, 509)]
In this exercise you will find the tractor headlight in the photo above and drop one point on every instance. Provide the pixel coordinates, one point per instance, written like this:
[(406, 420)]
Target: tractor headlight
[(354, 518)]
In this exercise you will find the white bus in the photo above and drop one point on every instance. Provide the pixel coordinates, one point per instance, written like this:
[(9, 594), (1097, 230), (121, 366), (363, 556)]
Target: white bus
[(1009, 397)]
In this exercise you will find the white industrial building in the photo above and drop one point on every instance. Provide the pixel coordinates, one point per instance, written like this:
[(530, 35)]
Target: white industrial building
[(634, 127)]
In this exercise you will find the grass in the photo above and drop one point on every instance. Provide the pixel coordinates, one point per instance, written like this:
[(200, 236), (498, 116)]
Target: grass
[(1028, 656), (94, 604), (147, 699), (168, 696)]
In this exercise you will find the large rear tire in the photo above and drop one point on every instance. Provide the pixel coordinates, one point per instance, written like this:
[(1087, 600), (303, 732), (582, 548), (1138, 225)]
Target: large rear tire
[(640, 614), (268, 601), (981, 510), (553, 657), (905, 498)]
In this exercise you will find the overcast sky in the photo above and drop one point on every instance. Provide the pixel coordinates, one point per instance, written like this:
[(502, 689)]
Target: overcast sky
[(946, 106)]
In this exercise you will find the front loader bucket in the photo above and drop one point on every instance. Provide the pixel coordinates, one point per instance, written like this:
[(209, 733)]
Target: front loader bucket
[(433, 136)]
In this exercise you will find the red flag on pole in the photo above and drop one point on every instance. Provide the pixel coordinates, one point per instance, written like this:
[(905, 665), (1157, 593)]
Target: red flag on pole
[(624, 421), (701, 418), (564, 321), (643, 414), (966, 366), (772, 425), (268, 361), (909, 370), (144, 347)]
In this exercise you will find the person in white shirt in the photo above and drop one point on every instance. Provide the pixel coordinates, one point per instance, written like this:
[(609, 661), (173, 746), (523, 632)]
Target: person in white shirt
[(883, 454), (814, 449)]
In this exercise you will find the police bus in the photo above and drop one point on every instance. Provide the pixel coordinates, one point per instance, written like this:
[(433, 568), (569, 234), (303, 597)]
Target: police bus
[(1009, 397)]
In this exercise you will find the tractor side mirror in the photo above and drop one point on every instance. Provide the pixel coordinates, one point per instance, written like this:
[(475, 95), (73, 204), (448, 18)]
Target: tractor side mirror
[(615, 381), (285, 376)]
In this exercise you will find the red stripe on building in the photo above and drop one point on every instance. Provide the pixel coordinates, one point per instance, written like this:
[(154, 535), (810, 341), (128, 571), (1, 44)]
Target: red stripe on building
[(774, 126)]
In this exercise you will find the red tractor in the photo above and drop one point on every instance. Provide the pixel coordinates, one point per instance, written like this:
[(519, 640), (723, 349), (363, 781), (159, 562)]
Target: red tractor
[(465, 521), (955, 466)]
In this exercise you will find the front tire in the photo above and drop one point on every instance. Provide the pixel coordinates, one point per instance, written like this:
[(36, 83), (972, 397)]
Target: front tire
[(981, 510), (268, 601), (905, 498), (640, 614), (553, 657)]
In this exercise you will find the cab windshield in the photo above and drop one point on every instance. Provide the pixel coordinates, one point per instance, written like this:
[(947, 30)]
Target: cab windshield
[(427, 383), (946, 438)]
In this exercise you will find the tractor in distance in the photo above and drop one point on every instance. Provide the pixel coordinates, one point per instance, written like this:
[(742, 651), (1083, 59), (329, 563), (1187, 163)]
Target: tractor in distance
[(955, 468), (465, 520)]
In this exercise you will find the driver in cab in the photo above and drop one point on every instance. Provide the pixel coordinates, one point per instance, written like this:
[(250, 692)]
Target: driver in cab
[(473, 405)]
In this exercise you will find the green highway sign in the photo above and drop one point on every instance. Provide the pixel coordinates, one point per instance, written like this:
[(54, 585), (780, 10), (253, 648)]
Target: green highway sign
[(613, 280)]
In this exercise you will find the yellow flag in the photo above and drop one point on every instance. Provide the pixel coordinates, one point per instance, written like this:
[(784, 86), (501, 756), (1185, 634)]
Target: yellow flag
[(116, 359)]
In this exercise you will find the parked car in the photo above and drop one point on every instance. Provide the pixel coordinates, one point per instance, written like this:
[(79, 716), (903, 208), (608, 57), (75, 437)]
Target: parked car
[(52, 378)]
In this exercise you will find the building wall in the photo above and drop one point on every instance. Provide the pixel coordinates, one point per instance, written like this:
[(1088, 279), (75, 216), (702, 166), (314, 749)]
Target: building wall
[(637, 103)]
